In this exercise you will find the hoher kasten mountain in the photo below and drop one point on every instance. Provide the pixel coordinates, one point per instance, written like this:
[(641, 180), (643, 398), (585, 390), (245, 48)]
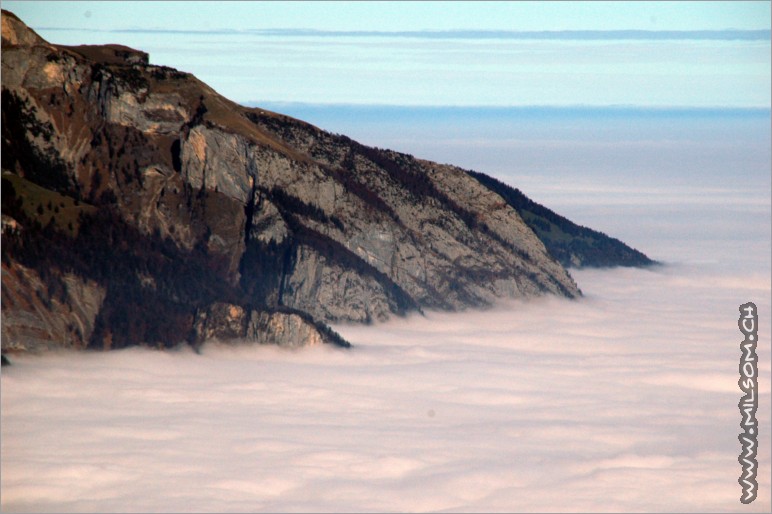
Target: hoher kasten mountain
[(141, 207)]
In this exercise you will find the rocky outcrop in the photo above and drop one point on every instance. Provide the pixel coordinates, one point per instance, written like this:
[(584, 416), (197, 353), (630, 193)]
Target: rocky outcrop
[(16, 33), (223, 221), (45, 313), (228, 322)]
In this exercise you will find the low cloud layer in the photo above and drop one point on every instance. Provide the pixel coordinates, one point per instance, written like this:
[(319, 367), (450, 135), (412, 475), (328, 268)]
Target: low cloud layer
[(624, 400)]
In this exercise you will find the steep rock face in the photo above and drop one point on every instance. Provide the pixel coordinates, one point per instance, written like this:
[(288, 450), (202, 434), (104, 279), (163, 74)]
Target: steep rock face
[(224, 321), (416, 233), (329, 291), (200, 205), (37, 316)]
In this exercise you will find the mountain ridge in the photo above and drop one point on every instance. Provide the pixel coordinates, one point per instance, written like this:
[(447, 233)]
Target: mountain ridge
[(141, 207)]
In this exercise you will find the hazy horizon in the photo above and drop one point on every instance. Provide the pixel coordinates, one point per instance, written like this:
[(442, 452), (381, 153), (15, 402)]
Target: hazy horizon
[(423, 53)]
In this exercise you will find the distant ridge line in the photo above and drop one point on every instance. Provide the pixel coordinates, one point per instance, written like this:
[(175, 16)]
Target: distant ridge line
[(519, 109), (582, 35)]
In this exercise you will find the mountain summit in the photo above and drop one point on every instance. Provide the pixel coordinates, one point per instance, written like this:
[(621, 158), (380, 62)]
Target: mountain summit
[(141, 207)]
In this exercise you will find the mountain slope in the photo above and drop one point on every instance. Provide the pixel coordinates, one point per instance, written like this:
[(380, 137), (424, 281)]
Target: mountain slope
[(139, 206), (571, 244)]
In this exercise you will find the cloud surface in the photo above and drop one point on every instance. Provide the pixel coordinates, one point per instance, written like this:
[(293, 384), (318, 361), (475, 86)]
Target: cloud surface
[(624, 400)]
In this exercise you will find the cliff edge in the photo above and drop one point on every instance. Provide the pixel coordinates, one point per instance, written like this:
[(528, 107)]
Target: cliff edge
[(141, 207)]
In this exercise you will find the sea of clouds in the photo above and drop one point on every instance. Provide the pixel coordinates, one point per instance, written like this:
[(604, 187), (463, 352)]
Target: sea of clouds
[(624, 400)]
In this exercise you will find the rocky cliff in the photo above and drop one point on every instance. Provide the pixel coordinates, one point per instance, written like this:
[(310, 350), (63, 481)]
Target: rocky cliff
[(140, 207)]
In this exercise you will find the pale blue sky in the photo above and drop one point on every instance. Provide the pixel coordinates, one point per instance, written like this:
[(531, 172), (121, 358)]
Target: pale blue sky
[(392, 16), (248, 52)]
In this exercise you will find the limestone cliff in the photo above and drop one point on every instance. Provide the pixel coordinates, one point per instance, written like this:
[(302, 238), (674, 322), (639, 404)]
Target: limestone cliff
[(167, 208), (227, 322)]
